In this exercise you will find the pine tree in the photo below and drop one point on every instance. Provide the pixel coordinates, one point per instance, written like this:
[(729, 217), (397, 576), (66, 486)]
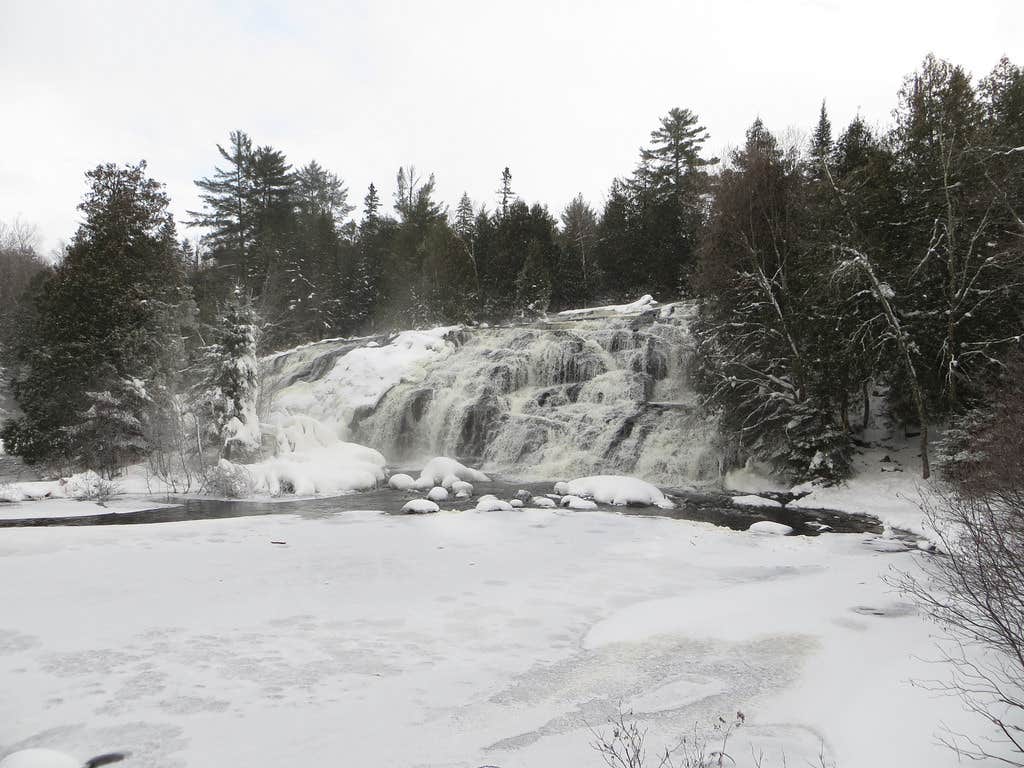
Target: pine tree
[(506, 193), (464, 218), (227, 197), (104, 314), (228, 385)]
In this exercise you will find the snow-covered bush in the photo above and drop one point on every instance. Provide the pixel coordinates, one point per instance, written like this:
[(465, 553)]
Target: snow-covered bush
[(232, 481), (89, 486)]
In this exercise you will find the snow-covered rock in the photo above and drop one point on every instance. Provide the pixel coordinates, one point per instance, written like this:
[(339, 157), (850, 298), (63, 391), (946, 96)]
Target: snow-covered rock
[(516, 502), (645, 302), (423, 483), (437, 469), (450, 480), (462, 489), (420, 507), (11, 493), (543, 502), (485, 504), (333, 468), (770, 528), (575, 502), (755, 501), (400, 482), (437, 493), (617, 490), (523, 495)]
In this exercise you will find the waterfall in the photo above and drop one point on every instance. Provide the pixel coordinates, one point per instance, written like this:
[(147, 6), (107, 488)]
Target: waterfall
[(547, 400)]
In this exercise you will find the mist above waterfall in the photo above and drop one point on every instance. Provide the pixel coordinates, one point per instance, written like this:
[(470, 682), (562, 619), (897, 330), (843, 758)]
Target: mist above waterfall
[(545, 400)]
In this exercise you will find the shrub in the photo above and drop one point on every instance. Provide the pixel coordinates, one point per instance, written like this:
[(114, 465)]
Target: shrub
[(232, 481)]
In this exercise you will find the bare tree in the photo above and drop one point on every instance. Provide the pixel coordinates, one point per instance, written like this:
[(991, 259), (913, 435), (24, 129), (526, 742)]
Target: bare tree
[(974, 592)]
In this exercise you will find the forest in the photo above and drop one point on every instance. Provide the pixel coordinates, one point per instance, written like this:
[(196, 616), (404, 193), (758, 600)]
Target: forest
[(830, 266)]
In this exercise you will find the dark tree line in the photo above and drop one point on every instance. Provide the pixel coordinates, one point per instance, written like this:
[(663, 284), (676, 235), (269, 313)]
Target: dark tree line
[(862, 261), (877, 261)]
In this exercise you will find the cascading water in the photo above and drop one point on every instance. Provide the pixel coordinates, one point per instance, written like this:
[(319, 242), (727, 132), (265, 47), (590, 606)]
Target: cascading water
[(543, 401)]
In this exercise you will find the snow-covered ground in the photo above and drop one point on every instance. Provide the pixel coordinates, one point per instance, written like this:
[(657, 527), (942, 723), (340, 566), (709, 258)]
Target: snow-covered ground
[(477, 638)]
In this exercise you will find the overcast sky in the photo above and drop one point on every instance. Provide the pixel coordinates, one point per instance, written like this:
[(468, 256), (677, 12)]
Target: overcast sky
[(563, 93)]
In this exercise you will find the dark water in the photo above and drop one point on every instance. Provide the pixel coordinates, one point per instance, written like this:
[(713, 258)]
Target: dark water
[(704, 507)]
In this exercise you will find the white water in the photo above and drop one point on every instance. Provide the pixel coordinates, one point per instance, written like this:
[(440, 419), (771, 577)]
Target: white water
[(545, 401)]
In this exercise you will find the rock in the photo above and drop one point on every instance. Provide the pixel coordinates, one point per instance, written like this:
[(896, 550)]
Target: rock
[(516, 502), (523, 495), (542, 501), (438, 493), (400, 482), (420, 507), (770, 528), (450, 480)]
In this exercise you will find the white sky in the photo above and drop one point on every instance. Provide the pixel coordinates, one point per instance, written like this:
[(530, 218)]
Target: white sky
[(563, 93)]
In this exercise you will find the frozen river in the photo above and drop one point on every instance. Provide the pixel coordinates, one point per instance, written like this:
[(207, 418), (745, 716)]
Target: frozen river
[(456, 639)]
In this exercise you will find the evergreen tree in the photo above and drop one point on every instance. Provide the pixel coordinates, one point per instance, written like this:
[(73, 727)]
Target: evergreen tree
[(575, 276), (506, 194), (103, 315)]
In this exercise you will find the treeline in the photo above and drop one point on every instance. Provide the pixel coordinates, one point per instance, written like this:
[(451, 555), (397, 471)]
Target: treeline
[(285, 237), (828, 269)]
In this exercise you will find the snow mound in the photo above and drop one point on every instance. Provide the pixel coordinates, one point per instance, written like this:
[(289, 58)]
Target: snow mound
[(769, 528), (400, 482), (516, 502), (441, 467), (643, 303), (420, 507), (491, 504), (11, 493), (543, 502), (335, 468), (575, 502), (617, 490), (755, 501), (39, 758), (437, 493)]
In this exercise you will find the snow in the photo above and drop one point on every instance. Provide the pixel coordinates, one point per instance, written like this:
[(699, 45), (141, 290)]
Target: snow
[(770, 528), (890, 490), (400, 482), (617, 490), (40, 758), (457, 639), (575, 502), (542, 502), (11, 493), (642, 304), (437, 493), (327, 469), (441, 467), (755, 501), (420, 507), (361, 377)]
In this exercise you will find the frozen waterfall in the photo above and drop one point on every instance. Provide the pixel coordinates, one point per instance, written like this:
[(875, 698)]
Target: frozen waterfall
[(547, 400)]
